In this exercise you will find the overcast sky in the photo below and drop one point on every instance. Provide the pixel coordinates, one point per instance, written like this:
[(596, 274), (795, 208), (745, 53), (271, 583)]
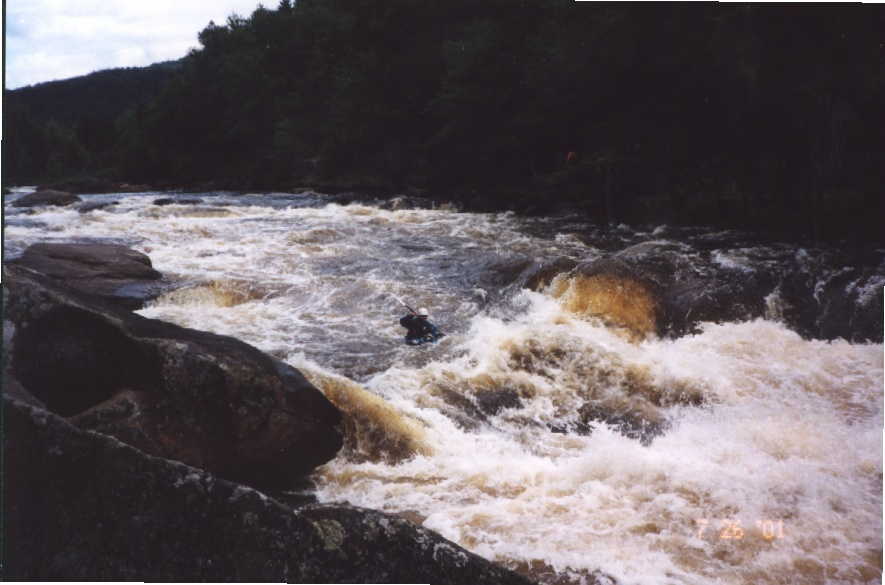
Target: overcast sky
[(57, 39)]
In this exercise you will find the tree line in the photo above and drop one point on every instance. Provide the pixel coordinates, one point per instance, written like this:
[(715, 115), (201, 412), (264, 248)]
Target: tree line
[(756, 116)]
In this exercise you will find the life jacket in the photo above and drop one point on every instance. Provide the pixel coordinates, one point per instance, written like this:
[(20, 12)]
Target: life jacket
[(418, 327)]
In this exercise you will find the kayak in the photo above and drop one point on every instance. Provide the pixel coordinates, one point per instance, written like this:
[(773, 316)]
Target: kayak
[(425, 339)]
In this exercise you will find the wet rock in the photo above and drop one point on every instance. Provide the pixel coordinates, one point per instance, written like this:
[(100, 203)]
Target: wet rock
[(95, 205), (405, 202), (14, 389), (116, 274), (182, 201), (725, 297), (46, 197), (85, 506), (540, 275), (666, 288), (627, 423), (460, 409), (844, 304), (491, 402), (208, 400), (615, 292), (494, 275)]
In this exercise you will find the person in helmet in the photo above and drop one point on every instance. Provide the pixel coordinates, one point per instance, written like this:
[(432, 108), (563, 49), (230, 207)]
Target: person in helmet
[(420, 329)]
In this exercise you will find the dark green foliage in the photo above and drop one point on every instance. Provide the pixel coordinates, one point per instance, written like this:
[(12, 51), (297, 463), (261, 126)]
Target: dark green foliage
[(756, 116), (69, 127)]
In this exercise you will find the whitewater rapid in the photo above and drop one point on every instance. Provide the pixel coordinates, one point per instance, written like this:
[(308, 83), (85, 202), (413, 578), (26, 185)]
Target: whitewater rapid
[(739, 454)]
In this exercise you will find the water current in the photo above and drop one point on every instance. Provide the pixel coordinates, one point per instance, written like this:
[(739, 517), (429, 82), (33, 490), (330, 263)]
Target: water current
[(739, 453)]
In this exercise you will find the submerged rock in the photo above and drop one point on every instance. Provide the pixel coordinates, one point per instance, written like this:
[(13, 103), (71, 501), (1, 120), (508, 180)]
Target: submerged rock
[(46, 197), (95, 205), (493, 401), (183, 201), (208, 400), (115, 274), (84, 506)]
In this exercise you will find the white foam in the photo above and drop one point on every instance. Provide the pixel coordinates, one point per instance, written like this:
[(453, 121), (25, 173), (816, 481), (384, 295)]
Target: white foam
[(789, 429)]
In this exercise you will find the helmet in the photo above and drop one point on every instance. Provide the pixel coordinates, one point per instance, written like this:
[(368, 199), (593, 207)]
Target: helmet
[(423, 312)]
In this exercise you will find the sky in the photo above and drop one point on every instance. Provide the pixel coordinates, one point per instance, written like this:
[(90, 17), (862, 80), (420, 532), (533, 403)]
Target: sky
[(57, 39)]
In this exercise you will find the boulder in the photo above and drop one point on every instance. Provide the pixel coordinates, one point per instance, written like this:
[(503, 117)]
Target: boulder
[(94, 205), (84, 506), (116, 274), (493, 401), (208, 400), (14, 389), (46, 197), (663, 288), (830, 304), (541, 274)]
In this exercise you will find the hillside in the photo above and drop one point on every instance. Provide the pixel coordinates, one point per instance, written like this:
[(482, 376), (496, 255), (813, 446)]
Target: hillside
[(70, 126), (736, 115)]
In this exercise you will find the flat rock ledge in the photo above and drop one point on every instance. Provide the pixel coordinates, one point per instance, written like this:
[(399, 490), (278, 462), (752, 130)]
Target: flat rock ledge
[(115, 274)]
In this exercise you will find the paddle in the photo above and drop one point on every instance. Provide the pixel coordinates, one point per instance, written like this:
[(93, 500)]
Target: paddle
[(403, 303), (438, 335)]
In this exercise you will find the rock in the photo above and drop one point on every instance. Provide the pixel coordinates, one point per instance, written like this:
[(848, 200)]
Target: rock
[(626, 422), (615, 292), (663, 288), (851, 307), (494, 272), (183, 201), (540, 275), (727, 296), (84, 506), (14, 389), (46, 197), (208, 400), (491, 402), (405, 202), (94, 205), (461, 409), (115, 274)]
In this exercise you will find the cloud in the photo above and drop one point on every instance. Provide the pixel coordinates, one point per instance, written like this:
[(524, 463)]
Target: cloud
[(57, 39)]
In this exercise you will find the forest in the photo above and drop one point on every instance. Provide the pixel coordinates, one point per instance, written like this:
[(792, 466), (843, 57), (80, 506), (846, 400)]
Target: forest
[(753, 116)]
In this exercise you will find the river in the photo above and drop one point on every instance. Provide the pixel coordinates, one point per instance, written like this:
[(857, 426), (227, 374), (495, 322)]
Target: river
[(744, 453)]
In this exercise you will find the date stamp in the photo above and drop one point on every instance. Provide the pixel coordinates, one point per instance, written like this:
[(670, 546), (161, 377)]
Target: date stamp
[(733, 529)]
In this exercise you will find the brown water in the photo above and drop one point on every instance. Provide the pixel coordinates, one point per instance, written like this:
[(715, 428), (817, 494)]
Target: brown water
[(543, 432)]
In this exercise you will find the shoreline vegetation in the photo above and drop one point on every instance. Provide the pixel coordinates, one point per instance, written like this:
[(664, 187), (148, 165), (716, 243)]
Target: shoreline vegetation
[(749, 117)]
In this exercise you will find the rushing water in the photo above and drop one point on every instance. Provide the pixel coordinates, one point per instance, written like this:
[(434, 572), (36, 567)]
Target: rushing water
[(762, 460)]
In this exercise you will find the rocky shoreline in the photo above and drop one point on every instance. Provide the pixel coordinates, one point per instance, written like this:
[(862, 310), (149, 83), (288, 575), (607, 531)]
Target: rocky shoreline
[(136, 449)]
